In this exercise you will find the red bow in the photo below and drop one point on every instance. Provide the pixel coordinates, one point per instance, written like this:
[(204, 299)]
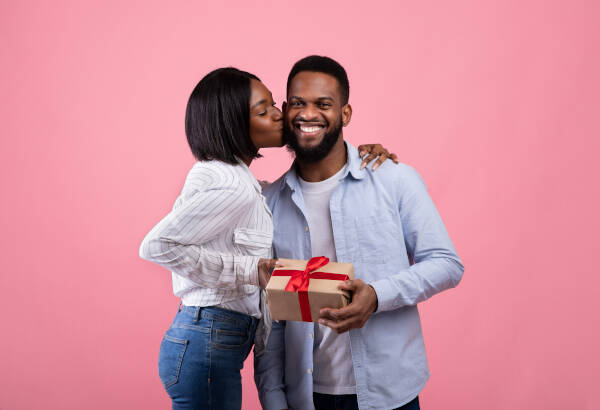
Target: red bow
[(300, 280)]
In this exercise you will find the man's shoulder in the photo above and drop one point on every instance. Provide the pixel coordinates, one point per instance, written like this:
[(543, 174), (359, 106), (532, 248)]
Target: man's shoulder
[(397, 175), (274, 189)]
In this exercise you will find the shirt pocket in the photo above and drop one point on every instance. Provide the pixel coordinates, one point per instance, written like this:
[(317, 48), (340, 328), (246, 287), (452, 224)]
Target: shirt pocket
[(252, 241)]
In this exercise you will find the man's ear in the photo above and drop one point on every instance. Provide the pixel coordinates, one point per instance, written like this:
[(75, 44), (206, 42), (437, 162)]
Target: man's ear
[(346, 114)]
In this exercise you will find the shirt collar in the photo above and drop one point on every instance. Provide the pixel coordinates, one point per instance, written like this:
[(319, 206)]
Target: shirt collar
[(353, 168)]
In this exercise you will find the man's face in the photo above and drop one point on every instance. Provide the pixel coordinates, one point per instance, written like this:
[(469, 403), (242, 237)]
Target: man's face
[(313, 115)]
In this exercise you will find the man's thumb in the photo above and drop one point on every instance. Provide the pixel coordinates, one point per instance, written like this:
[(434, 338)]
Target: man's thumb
[(347, 285)]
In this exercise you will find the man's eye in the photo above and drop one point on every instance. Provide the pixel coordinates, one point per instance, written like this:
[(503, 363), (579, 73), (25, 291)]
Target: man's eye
[(296, 103), (324, 105)]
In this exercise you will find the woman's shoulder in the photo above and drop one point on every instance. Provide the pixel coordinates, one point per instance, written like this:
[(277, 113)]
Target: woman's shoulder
[(214, 175)]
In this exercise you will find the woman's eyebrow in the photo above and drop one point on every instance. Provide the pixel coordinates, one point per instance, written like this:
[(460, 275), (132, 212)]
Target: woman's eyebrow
[(258, 103)]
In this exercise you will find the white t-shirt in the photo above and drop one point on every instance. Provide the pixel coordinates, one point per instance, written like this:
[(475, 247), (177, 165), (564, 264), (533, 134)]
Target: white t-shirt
[(332, 361)]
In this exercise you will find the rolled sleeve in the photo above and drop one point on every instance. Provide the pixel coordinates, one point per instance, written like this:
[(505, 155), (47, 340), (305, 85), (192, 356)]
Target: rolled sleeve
[(177, 241)]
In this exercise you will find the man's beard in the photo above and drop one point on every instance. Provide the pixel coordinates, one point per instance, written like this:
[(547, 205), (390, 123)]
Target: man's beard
[(314, 154)]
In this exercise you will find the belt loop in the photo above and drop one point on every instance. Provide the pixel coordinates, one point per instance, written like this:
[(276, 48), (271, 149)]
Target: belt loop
[(179, 307), (197, 313)]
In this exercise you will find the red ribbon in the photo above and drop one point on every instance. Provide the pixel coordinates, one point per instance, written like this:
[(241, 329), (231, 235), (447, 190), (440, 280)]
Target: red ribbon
[(300, 280)]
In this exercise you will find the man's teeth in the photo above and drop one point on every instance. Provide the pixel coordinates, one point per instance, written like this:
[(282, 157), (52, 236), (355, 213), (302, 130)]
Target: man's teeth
[(305, 128)]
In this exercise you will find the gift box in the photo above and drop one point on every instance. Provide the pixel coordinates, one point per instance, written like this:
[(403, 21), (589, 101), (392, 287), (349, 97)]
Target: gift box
[(300, 289)]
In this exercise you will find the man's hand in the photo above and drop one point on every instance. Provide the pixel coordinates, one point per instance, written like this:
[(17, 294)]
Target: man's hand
[(265, 268), (356, 314), (374, 151)]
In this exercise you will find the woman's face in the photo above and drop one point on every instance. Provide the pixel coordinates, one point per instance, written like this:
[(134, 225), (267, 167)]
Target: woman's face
[(266, 120)]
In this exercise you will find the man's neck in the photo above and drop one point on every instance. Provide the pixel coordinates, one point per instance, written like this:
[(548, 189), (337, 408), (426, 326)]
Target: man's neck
[(325, 168)]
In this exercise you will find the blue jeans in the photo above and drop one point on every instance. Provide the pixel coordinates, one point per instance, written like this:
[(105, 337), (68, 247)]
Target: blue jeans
[(201, 356), (348, 402)]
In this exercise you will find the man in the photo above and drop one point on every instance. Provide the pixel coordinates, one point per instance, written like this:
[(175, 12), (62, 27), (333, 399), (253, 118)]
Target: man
[(370, 354)]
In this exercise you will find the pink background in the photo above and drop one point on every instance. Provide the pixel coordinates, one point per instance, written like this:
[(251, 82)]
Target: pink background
[(495, 103)]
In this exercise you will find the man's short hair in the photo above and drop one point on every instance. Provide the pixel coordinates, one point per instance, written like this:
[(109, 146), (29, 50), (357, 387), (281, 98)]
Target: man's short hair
[(217, 118), (326, 65)]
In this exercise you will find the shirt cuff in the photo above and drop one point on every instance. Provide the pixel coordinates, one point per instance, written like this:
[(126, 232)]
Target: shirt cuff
[(274, 400), (376, 299), (387, 297), (246, 270)]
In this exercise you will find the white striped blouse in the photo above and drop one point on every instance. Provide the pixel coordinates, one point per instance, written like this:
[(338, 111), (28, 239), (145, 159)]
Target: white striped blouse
[(211, 241)]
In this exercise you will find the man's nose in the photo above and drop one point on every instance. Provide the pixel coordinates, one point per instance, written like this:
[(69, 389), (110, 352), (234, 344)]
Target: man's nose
[(309, 113)]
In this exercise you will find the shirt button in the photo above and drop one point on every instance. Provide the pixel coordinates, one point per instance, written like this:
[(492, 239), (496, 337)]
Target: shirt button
[(311, 335), (309, 371), (306, 228)]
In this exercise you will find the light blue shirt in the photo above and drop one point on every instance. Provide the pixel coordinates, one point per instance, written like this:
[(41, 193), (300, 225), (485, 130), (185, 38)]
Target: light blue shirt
[(386, 224)]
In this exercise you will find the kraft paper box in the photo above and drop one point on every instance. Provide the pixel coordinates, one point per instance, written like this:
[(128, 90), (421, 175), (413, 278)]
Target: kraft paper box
[(286, 305)]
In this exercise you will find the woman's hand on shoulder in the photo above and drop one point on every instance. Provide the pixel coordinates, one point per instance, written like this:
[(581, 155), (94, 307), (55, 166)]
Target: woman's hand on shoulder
[(369, 152)]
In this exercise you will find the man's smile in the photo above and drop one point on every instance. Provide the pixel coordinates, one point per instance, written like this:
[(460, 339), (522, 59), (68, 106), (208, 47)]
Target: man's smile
[(307, 129)]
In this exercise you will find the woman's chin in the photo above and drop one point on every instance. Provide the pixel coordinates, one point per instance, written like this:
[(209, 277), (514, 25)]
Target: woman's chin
[(275, 144)]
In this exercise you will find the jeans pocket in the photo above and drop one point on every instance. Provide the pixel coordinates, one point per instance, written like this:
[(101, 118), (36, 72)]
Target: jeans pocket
[(230, 339), (170, 359)]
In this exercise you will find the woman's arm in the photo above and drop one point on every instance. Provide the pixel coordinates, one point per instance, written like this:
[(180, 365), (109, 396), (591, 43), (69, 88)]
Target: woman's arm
[(176, 242), (373, 151)]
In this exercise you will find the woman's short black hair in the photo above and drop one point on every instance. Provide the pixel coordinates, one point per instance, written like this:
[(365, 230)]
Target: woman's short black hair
[(325, 65), (217, 118)]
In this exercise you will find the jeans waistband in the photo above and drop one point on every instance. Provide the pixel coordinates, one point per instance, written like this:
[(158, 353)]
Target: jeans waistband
[(215, 313)]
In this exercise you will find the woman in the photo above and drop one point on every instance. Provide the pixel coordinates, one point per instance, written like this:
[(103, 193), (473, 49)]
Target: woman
[(217, 242)]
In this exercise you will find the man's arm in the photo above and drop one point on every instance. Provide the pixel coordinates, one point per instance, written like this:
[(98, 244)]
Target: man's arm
[(436, 268), (269, 370)]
